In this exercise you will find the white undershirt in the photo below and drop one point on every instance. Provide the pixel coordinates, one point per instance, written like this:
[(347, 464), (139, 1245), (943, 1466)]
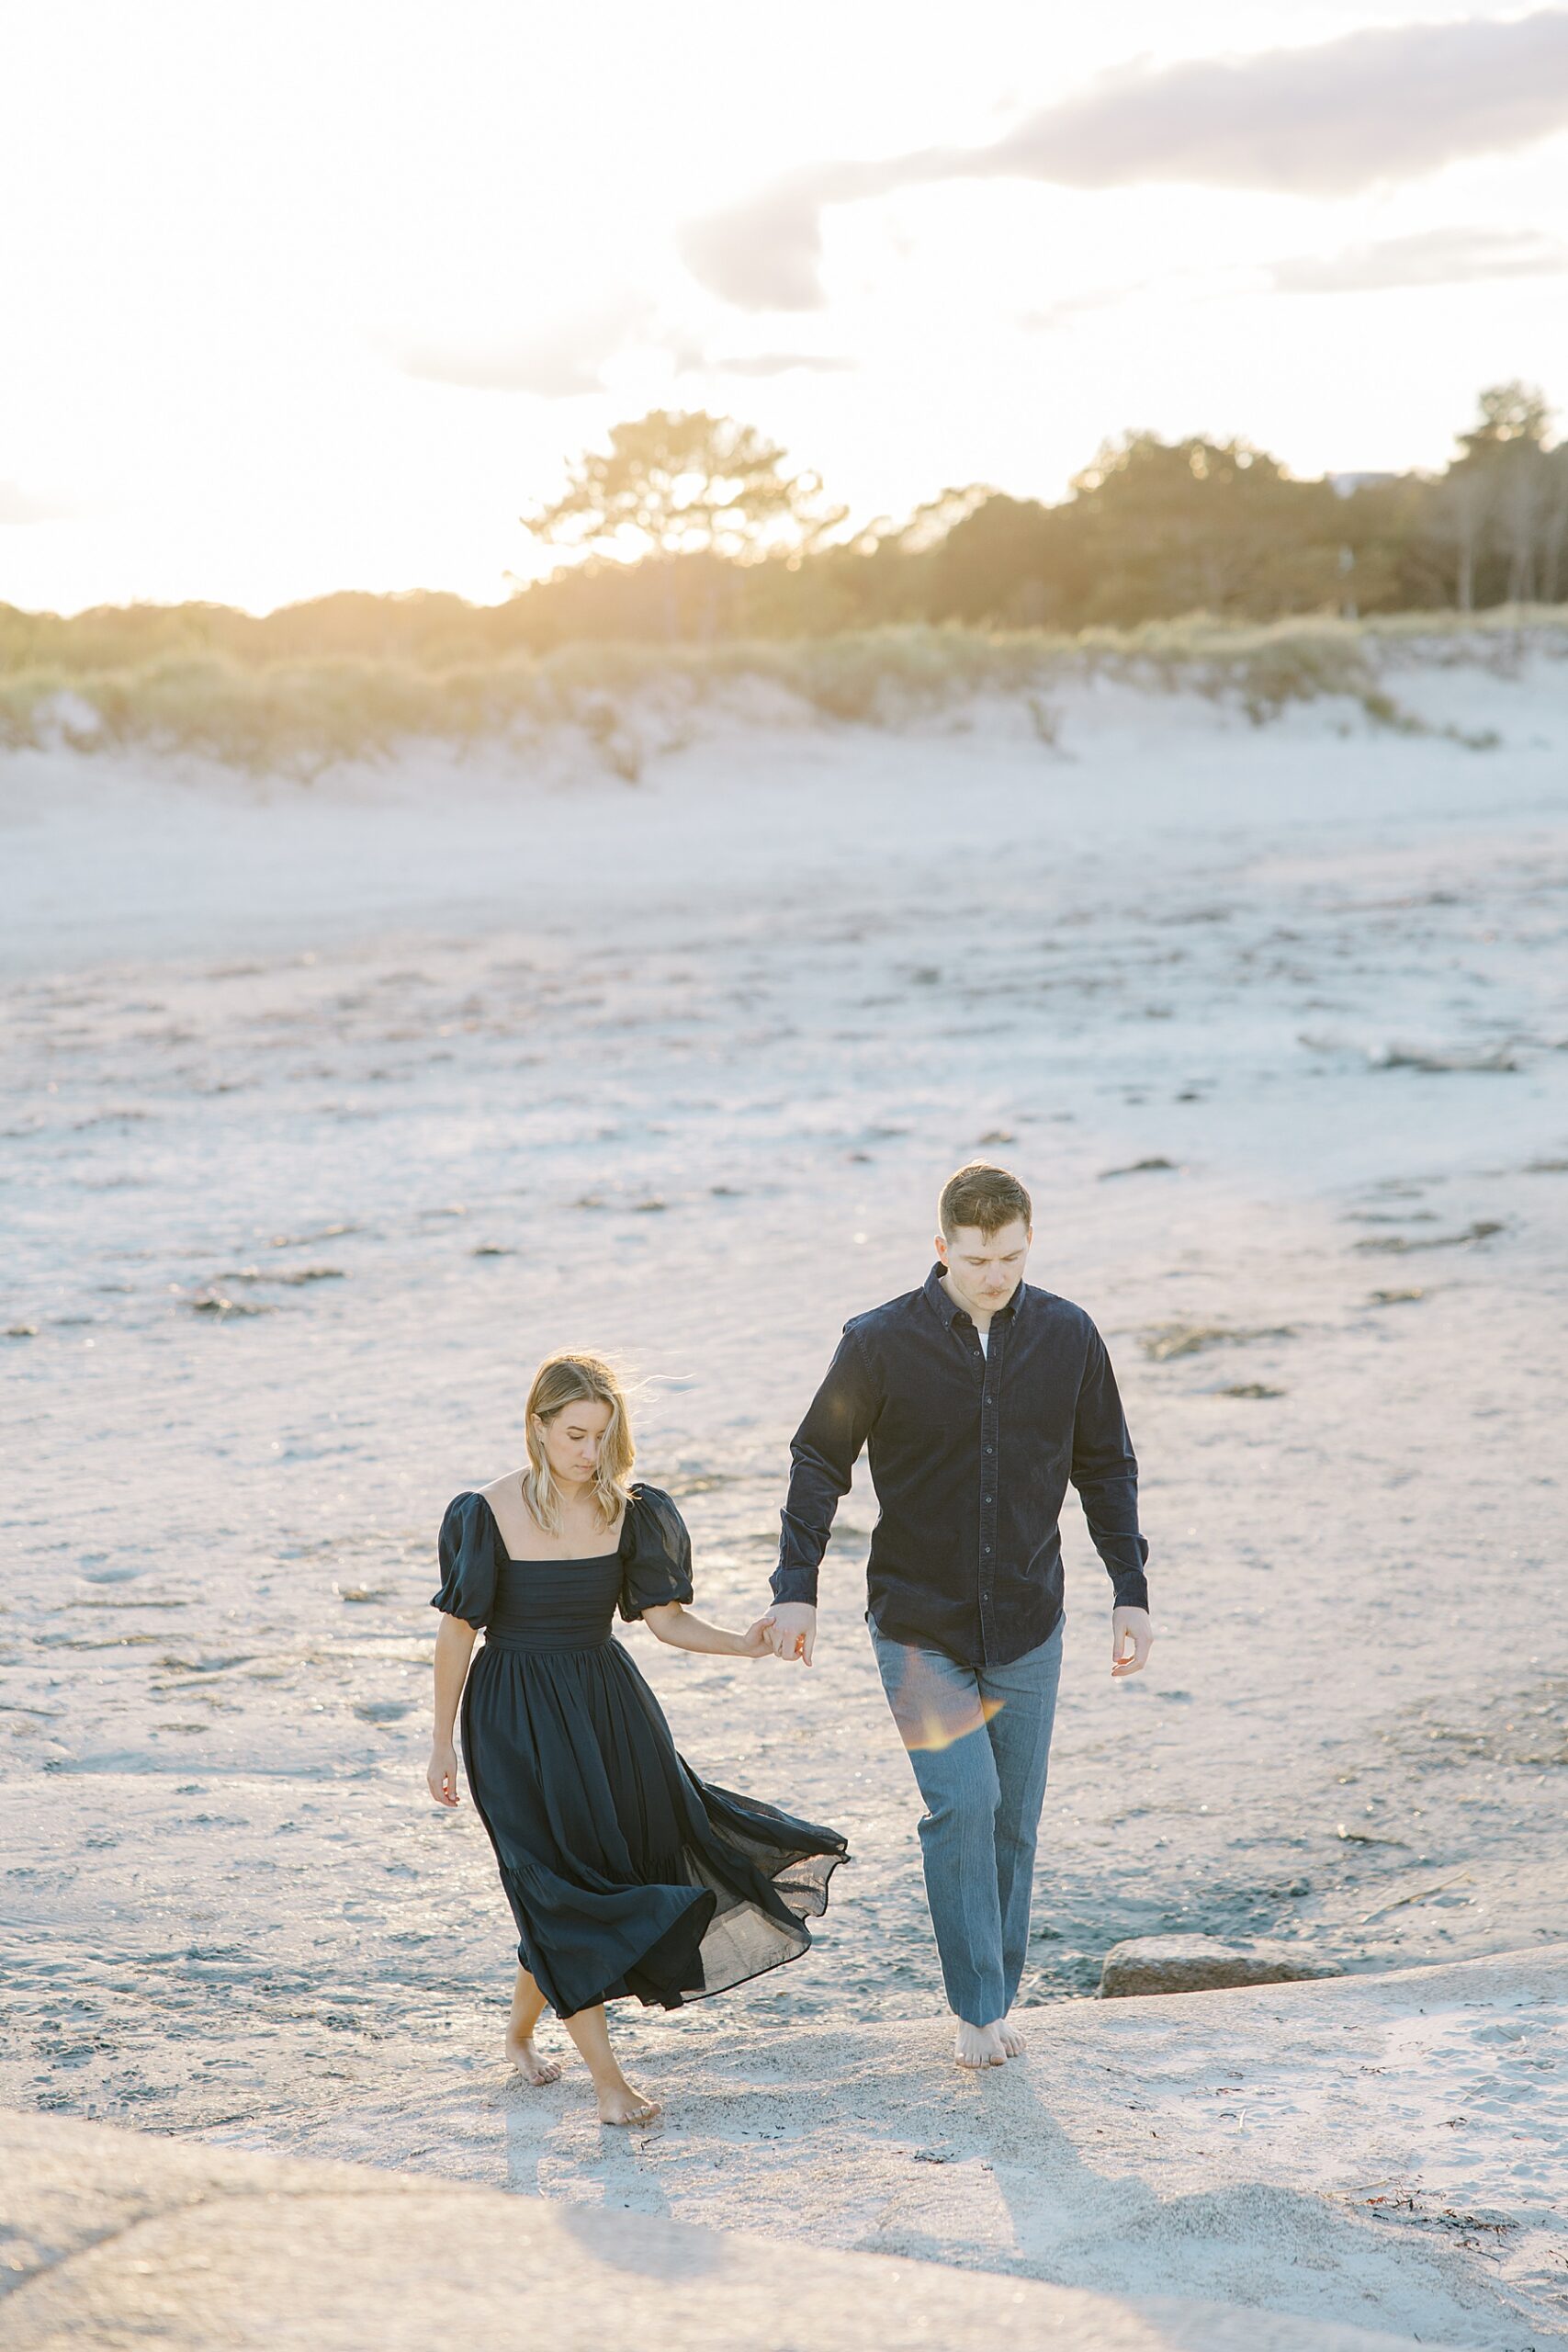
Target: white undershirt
[(983, 1337)]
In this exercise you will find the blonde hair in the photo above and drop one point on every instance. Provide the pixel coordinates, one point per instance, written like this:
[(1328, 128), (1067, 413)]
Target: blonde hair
[(570, 1378)]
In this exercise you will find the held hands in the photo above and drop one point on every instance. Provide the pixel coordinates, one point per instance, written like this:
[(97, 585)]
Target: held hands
[(791, 1630), (769, 1637), (787, 1632), (1132, 1637)]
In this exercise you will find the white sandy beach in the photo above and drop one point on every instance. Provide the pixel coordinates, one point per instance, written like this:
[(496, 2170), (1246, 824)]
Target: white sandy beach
[(329, 1110)]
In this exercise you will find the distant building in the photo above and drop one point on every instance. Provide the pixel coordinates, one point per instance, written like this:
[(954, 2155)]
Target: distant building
[(1347, 485)]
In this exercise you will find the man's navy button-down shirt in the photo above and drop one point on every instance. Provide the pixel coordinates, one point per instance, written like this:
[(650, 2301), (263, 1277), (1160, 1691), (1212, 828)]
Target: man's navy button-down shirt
[(971, 1453)]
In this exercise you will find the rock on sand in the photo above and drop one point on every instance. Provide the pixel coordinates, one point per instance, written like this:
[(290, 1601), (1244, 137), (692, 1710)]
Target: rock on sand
[(1201, 1964)]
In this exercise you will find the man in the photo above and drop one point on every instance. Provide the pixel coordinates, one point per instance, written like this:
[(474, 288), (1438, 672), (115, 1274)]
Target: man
[(980, 1395)]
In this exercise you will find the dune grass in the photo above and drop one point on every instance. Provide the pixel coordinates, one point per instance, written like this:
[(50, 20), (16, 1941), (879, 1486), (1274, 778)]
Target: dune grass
[(234, 700)]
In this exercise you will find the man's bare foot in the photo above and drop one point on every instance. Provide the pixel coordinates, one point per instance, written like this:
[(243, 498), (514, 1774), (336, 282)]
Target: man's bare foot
[(622, 2102), (1012, 2040), (979, 2045), (531, 2064)]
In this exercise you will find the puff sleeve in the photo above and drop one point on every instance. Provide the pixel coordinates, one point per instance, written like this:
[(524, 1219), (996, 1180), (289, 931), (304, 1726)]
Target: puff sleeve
[(467, 1554), (656, 1553)]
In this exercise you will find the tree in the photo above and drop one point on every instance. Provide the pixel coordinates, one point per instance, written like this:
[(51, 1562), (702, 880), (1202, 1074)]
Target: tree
[(1200, 526), (1554, 526), (1392, 526), (693, 528), (1004, 563), (674, 483), (1503, 493), (1512, 414), (1464, 503)]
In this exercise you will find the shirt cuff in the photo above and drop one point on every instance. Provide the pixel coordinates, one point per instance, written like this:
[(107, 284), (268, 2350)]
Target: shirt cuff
[(790, 1585)]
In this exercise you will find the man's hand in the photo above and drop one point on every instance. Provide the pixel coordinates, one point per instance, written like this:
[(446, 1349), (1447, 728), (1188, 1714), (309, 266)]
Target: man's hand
[(1132, 1637), (794, 1630)]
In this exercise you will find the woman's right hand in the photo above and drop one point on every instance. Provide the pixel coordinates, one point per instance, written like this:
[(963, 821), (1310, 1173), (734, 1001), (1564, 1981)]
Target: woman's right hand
[(440, 1778)]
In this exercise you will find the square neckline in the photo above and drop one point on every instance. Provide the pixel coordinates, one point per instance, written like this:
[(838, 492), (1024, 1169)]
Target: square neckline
[(587, 1560)]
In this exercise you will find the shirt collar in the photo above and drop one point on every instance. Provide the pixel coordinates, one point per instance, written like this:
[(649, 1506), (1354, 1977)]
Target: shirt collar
[(948, 1306), (945, 1306)]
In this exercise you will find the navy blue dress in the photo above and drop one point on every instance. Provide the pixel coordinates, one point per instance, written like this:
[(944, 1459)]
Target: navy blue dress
[(626, 1875)]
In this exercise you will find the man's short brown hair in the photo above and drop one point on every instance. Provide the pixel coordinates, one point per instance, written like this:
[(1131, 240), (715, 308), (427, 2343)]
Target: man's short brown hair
[(982, 1195)]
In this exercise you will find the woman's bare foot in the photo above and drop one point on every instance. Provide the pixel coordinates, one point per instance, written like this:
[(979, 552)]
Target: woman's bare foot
[(530, 2063), (622, 2102), (1012, 2040), (979, 2045)]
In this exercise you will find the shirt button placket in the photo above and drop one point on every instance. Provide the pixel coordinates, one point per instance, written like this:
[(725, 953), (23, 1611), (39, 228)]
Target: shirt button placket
[(988, 1483)]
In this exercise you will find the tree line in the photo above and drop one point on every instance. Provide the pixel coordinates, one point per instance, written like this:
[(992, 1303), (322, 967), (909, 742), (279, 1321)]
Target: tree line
[(691, 527)]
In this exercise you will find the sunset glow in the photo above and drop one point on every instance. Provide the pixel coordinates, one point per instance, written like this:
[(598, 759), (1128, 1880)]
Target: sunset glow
[(299, 299)]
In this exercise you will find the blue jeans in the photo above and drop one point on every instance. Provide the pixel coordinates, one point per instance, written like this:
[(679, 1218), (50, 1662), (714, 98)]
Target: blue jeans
[(979, 1740)]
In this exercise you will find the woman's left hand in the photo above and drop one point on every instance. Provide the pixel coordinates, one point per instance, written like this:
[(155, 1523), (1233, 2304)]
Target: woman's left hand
[(441, 1774), (754, 1642)]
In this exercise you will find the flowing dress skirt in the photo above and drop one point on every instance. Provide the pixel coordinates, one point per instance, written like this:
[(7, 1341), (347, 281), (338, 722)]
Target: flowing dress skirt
[(626, 1874)]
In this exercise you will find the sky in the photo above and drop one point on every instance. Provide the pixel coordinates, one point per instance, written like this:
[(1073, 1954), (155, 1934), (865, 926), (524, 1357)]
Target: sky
[(296, 297)]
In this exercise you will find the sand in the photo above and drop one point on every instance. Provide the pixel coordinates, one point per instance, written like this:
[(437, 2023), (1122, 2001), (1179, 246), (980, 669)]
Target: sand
[(331, 1109), (116, 2237)]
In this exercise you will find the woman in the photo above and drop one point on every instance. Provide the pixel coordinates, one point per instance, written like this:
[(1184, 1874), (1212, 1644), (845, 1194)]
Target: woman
[(626, 1874)]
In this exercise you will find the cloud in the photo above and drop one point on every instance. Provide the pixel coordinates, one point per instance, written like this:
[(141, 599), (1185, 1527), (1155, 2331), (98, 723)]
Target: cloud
[(1435, 258), (570, 356), (555, 361), (780, 363), (1389, 104), (19, 505), (553, 373), (1384, 105), (1452, 256), (1073, 307), (763, 254)]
